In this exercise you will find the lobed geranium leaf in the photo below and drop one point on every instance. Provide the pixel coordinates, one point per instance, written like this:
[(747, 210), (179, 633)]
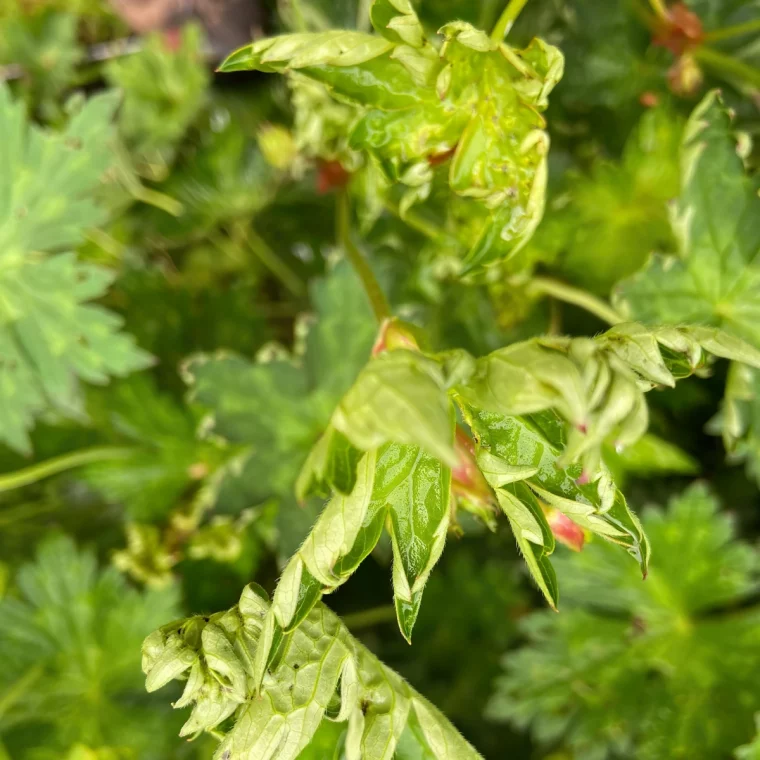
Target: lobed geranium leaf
[(78, 628), (715, 279), (50, 336), (618, 639), (278, 409), (321, 672)]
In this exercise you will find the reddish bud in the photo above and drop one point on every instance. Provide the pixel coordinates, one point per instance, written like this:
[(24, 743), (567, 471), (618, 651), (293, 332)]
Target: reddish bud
[(680, 30), (466, 478), (331, 175), (173, 39), (441, 158), (564, 529), (649, 99)]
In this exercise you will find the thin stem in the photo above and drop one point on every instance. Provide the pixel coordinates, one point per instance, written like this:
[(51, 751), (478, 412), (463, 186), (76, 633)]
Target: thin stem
[(414, 221), (368, 618), (260, 248), (53, 466), (29, 511), (575, 296), (19, 688), (298, 18), (727, 65), (733, 31), (658, 6), (371, 286), (156, 199), (507, 19)]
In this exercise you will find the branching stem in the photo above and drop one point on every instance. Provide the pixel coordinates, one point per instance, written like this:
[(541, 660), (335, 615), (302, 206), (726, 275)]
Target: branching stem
[(274, 263), (658, 6), (576, 296), (371, 286)]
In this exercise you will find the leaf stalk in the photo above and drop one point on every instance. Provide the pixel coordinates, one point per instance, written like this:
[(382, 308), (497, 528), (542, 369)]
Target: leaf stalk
[(575, 296), (372, 287), (507, 19)]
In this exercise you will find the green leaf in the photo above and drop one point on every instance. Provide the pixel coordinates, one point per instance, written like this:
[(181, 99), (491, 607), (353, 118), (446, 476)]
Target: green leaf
[(650, 456), (601, 226), (276, 410), (596, 385), (476, 100), (50, 336), (398, 485), (166, 460), (525, 452), (400, 396), (69, 653), (322, 671), (533, 535), (397, 21), (164, 91), (715, 280), (627, 661), (738, 420)]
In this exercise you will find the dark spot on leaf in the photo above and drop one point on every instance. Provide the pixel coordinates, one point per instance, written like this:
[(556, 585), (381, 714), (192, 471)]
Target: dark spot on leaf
[(364, 705)]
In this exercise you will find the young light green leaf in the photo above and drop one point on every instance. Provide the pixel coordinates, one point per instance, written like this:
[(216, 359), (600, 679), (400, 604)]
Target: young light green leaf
[(476, 101), (398, 482), (400, 396), (596, 384), (321, 672), (525, 451), (533, 535), (396, 21)]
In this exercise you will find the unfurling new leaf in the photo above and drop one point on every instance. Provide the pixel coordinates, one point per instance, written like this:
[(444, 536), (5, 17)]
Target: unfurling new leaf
[(320, 672), (470, 100)]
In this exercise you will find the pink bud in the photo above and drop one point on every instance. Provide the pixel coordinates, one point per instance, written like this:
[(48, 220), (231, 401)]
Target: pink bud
[(393, 334), (564, 529)]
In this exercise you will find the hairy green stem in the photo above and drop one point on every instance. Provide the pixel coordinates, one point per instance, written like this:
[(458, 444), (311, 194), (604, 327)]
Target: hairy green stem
[(727, 65), (576, 297), (260, 248), (371, 286), (507, 19), (37, 472), (367, 618), (733, 31)]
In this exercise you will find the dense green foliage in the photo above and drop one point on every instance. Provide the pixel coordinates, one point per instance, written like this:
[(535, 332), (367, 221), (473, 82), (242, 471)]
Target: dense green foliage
[(292, 338)]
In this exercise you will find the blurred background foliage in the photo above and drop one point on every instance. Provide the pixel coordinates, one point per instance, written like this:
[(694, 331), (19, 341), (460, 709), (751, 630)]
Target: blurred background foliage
[(194, 244)]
